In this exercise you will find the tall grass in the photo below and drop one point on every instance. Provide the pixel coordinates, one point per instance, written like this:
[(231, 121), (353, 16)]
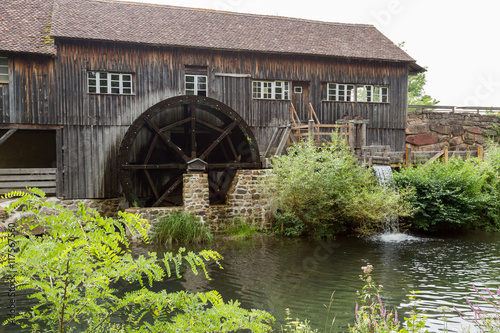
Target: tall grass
[(180, 227)]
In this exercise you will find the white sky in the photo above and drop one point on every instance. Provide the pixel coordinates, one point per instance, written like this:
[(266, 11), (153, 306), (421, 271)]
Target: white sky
[(458, 41)]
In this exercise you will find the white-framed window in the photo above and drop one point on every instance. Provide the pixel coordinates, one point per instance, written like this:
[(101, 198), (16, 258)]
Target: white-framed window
[(364, 93), (271, 89), (4, 70), (109, 83), (340, 92), (381, 94), (297, 90), (195, 84)]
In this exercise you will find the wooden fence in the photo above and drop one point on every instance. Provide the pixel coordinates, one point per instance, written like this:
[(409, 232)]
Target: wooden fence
[(455, 109), (20, 179)]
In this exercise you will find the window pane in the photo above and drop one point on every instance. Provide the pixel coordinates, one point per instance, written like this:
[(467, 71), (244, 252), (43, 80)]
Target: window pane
[(103, 83), (4, 70), (202, 79), (115, 90), (127, 84), (115, 84), (103, 90), (189, 92), (127, 77), (4, 61), (190, 86), (189, 78), (92, 90), (115, 77), (127, 91), (92, 82)]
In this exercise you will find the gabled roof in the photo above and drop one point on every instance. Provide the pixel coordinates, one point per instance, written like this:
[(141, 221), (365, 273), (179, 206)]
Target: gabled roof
[(161, 25), (25, 26)]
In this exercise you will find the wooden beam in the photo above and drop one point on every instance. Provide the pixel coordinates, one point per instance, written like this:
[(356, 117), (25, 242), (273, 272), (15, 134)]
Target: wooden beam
[(7, 135), (480, 153), (167, 192), (219, 139), (435, 157), (165, 139), (408, 157)]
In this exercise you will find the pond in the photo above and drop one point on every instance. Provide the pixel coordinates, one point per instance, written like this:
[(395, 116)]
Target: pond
[(272, 274)]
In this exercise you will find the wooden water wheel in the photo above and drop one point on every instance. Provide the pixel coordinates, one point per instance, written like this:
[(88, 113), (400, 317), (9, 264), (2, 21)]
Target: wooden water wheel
[(180, 133)]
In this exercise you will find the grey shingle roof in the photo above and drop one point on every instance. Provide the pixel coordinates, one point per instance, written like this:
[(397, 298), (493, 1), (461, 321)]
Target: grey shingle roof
[(129, 22), (179, 26), (25, 26)]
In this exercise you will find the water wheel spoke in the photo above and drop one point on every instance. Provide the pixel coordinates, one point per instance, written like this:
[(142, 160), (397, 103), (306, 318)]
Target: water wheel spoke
[(236, 156), (168, 191), (194, 146), (151, 184), (151, 148), (174, 125), (204, 123), (166, 140), (220, 138)]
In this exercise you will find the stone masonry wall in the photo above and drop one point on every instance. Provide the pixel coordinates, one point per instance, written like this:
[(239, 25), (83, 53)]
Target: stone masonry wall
[(432, 131), (246, 200)]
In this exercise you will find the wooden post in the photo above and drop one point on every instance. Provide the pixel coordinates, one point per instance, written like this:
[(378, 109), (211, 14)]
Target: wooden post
[(311, 129), (445, 150), (363, 134), (408, 156), (480, 153), (352, 134)]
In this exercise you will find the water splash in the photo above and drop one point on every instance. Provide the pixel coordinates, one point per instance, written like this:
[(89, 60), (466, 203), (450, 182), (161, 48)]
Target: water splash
[(383, 174), (392, 232)]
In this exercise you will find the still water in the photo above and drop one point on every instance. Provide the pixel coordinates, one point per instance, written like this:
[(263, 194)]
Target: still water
[(273, 274)]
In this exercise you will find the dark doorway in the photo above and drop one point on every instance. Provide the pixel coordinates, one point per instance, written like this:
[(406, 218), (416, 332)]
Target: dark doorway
[(300, 98)]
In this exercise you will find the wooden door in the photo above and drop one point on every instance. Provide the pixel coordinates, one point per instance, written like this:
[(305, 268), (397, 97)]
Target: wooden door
[(300, 99)]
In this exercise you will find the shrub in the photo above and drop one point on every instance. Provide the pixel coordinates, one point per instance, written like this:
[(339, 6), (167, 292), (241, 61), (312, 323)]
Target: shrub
[(329, 191), (446, 196), (180, 227), (71, 267)]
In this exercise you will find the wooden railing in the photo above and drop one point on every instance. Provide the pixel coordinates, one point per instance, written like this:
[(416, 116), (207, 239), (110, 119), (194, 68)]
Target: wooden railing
[(354, 131), (427, 157), (455, 109), (19, 179)]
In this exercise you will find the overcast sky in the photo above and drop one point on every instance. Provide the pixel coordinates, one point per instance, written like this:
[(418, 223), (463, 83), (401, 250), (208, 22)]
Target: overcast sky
[(458, 41)]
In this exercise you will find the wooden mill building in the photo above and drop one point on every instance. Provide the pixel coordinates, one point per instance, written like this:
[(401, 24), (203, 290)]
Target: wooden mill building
[(121, 97)]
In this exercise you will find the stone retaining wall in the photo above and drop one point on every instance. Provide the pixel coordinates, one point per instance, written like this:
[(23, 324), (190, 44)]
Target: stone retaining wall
[(246, 201), (432, 131)]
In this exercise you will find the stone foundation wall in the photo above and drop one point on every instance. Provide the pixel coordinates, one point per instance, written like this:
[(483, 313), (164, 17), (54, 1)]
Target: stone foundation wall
[(246, 201), (432, 131)]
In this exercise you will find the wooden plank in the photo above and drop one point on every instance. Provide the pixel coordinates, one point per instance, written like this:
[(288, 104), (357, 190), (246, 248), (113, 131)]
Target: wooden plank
[(435, 157), (7, 135), (26, 177), (28, 171), (24, 184)]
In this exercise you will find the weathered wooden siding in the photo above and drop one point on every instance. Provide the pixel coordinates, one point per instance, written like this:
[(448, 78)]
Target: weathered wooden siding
[(53, 91), (29, 98)]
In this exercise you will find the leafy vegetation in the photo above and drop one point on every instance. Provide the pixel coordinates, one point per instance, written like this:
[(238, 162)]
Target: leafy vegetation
[(182, 227), (239, 229), (328, 191), (460, 194), (71, 267)]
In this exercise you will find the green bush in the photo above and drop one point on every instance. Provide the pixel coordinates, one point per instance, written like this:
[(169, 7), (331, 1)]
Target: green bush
[(329, 191), (446, 196), (180, 227), (71, 268), (239, 229)]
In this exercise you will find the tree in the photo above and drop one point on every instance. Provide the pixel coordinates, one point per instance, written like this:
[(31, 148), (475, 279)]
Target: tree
[(416, 91), (416, 88), (72, 267)]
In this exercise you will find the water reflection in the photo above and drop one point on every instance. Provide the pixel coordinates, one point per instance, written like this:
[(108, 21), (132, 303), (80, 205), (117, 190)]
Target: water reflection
[(273, 274)]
